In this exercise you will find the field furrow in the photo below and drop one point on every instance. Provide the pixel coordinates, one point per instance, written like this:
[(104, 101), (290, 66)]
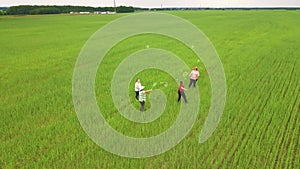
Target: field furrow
[(290, 125), (290, 148), (252, 139), (295, 151)]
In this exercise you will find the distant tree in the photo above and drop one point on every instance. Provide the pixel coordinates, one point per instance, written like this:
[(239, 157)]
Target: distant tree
[(45, 10), (20, 10), (103, 9), (124, 9), (2, 12), (33, 10)]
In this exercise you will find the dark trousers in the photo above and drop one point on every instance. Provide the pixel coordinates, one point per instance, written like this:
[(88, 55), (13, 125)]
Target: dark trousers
[(137, 95), (142, 105), (192, 81), (181, 94)]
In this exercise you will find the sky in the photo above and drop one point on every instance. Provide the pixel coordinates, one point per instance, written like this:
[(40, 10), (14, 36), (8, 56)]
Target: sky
[(158, 3)]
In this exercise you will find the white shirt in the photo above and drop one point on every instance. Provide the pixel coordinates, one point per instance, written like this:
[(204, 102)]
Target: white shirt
[(137, 86), (194, 75)]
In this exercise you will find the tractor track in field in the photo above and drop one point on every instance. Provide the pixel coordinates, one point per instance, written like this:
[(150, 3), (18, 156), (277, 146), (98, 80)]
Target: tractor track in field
[(237, 126), (292, 130), (263, 136), (247, 99), (252, 68), (292, 133), (296, 143), (231, 133), (270, 120), (280, 96), (288, 86), (249, 129), (232, 148), (283, 137), (256, 120)]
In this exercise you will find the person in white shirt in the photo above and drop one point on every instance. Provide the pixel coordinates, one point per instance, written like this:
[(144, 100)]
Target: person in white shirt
[(194, 77), (137, 88)]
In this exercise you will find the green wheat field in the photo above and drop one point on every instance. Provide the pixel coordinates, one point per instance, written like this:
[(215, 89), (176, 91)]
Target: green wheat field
[(260, 127)]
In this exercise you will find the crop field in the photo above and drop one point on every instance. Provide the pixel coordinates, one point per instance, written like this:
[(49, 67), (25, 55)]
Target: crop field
[(259, 128)]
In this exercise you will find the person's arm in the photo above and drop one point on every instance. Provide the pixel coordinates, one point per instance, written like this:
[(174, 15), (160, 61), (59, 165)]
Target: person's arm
[(183, 88), (147, 91)]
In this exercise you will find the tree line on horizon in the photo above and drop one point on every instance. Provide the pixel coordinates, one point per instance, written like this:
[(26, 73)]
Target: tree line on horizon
[(36, 9)]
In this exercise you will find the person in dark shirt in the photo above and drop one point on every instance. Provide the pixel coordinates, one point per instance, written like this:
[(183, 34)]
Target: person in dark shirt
[(181, 90)]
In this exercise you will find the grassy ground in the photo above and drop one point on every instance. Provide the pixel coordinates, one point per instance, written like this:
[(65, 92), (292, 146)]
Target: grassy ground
[(260, 126)]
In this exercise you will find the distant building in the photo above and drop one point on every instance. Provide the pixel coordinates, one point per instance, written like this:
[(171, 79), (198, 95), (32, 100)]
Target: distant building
[(84, 12), (108, 12), (96, 12)]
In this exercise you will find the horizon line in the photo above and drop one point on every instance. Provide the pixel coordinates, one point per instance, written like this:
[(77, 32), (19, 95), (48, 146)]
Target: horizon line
[(198, 7)]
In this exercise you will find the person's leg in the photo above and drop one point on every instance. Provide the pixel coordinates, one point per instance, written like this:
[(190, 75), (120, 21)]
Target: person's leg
[(137, 95), (179, 96), (191, 81), (142, 106), (194, 83), (184, 97)]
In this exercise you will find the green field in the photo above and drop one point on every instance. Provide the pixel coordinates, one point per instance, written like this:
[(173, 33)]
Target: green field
[(260, 126)]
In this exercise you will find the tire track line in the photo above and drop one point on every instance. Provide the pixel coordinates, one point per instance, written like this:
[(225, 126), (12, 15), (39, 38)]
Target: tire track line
[(249, 121), (283, 137), (260, 107)]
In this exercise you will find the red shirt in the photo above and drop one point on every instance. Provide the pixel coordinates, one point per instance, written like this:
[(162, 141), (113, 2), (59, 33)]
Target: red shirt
[(180, 88)]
